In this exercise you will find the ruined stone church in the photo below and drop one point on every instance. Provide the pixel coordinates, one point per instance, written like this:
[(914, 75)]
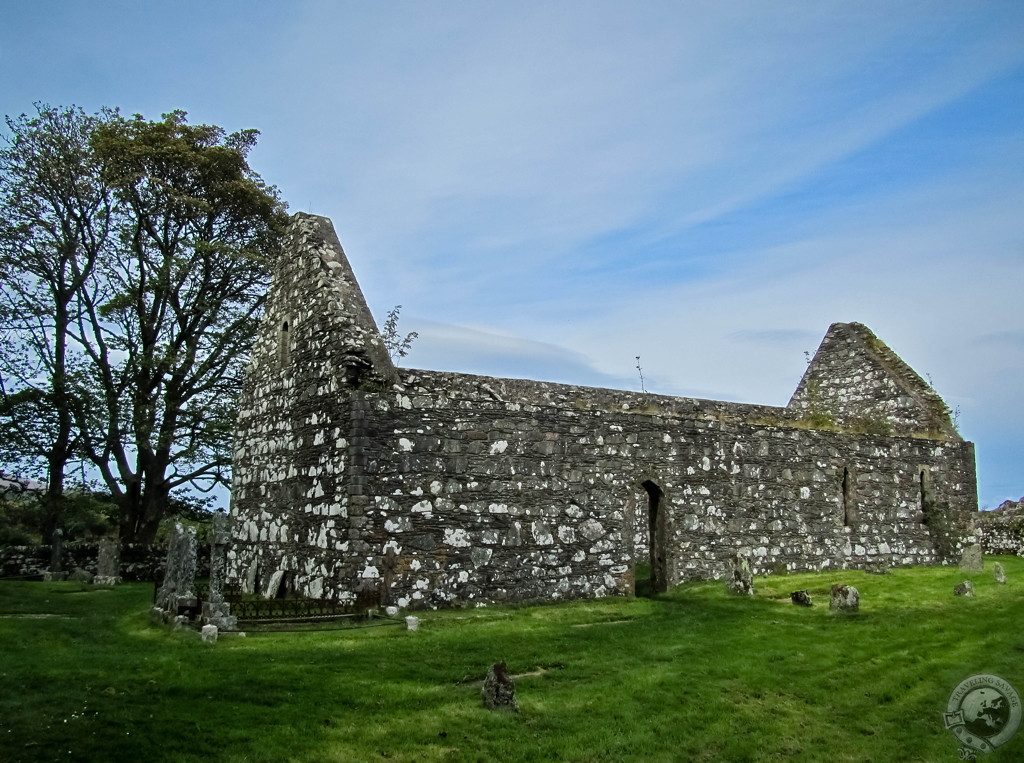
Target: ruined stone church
[(362, 482)]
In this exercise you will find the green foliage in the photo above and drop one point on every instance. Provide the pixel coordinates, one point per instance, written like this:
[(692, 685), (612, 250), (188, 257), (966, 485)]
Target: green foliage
[(398, 346), (693, 674), (85, 515), (149, 244)]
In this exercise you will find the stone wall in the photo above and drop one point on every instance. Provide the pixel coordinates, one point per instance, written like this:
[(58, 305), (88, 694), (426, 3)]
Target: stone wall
[(364, 482), (1001, 531), (138, 562)]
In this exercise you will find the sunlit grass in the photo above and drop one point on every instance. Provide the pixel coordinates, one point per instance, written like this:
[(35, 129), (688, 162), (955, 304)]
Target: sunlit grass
[(694, 674)]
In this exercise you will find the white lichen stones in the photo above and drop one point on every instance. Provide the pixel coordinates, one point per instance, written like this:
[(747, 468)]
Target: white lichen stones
[(845, 598)]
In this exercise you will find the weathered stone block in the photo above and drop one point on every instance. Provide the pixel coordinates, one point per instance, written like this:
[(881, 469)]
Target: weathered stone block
[(499, 691), (801, 598), (844, 598), (966, 588), (972, 559)]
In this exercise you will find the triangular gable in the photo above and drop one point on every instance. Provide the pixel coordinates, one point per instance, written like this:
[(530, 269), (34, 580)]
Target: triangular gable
[(316, 312), (855, 380)]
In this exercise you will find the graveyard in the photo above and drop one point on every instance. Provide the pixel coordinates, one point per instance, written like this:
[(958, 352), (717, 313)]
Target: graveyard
[(697, 673)]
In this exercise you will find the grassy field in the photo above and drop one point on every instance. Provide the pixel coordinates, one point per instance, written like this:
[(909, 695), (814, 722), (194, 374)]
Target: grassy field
[(692, 675)]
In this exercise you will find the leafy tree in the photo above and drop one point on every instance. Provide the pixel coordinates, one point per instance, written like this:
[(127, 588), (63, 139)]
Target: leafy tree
[(54, 225), (164, 313)]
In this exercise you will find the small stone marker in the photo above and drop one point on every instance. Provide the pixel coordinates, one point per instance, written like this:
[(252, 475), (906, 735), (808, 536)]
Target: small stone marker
[(56, 571), (81, 575), (108, 562), (209, 634), (742, 580), (1000, 573), (972, 559), (412, 623), (499, 690), (391, 611), (964, 589), (801, 598), (845, 598)]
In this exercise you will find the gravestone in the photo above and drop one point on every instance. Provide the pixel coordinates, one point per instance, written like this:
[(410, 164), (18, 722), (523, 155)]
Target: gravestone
[(216, 611), (972, 559), (499, 690), (208, 634), (108, 562), (250, 579), (801, 598), (1000, 574), (965, 588), (845, 598), (412, 623), (81, 575), (178, 588), (742, 580), (56, 571), (273, 587)]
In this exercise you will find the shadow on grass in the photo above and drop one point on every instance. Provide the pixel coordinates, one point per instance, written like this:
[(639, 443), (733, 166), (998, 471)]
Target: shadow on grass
[(695, 673)]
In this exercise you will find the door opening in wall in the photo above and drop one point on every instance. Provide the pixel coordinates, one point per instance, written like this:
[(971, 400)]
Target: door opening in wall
[(656, 522)]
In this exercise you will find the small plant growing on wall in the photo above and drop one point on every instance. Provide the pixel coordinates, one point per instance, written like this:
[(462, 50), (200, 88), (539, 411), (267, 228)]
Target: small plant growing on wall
[(640, 371), (398, 346)]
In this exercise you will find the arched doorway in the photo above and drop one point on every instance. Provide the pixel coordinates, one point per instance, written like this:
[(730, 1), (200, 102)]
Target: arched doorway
[(656, 523)]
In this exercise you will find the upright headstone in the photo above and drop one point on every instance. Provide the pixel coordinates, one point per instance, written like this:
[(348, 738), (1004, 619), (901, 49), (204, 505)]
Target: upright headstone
[(742, 579), (216, 611), (178, 588), (1000, 573), (108, 562), (845, 598), (499, 690), (972, 559), (56, 571), (250, 578)]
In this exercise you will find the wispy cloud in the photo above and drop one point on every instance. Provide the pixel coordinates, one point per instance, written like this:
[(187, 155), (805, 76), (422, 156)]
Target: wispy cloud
[(447, 347), (552, 189)]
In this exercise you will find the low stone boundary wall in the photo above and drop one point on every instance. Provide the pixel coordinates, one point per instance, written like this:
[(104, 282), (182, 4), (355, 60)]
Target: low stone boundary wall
[(1002, 531), (139, 562)]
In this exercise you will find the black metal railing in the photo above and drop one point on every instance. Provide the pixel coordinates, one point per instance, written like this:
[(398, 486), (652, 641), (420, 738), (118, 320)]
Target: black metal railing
[(253, 610)]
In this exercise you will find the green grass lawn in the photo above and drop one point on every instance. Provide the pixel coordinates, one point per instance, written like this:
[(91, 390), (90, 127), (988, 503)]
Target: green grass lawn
[(694, 674)]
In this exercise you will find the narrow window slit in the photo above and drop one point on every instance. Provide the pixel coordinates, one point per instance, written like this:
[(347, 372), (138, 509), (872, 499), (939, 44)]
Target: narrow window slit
[(283, 346)]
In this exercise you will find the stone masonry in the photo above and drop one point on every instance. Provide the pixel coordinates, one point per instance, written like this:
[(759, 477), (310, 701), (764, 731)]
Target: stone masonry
[(362, 482)]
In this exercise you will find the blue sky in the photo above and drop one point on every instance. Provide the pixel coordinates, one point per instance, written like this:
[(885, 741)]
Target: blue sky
[(552, 189)]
